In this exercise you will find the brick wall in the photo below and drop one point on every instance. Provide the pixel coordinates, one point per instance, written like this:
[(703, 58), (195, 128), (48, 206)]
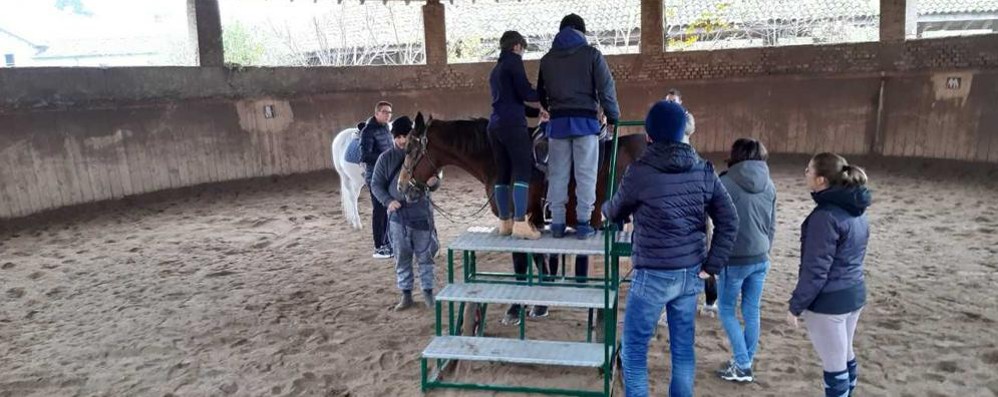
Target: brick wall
[(72, 135)]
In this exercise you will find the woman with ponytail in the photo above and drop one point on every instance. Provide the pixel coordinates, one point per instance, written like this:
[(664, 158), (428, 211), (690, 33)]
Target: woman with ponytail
[(830, 291)]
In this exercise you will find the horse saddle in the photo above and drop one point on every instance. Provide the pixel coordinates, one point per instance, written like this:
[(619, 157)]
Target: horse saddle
[(353, 154), (539, 137)]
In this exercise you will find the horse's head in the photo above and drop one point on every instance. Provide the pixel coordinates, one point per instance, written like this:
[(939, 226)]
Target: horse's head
[(418, 166)]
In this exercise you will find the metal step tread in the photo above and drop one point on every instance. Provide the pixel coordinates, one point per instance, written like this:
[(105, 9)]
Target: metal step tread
[(572, 354), (482, 241), (623, 238), (542, 295)]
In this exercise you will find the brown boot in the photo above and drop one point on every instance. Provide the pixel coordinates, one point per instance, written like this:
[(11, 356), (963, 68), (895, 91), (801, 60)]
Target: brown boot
[(525, 230), (505, 227)]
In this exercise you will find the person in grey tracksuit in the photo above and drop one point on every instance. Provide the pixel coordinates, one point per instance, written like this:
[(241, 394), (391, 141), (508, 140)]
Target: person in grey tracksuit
[(573, 84), (410, 222)]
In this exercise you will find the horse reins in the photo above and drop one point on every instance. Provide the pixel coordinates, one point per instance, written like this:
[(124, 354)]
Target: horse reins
[(424, 188)]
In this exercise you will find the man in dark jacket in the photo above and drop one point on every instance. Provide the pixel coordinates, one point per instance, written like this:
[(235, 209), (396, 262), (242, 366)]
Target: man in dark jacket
[(410, 222), (574, 83), (670, 191), (374, 140)]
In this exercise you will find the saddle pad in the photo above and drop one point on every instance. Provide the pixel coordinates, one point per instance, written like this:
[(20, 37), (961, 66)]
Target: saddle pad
[(353, 154), (540, 148), (540, 145)]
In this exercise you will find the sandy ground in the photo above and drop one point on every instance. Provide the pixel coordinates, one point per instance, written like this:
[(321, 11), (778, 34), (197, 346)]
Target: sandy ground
[(258, 288)]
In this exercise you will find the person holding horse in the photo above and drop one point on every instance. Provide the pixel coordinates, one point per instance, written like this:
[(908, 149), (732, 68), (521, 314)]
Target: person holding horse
[(670, 191), (374, 140), (574, 82), (411, 226), (511, 142)]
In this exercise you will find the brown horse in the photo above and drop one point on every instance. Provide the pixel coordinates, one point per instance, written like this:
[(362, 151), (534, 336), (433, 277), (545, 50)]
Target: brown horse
[(434, 144)]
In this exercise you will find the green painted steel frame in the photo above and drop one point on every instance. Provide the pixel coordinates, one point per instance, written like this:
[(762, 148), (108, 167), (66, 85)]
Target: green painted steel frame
[(610, 283)]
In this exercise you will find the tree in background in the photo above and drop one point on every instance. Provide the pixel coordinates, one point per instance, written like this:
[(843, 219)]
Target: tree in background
[(241, 46), (710, 26)]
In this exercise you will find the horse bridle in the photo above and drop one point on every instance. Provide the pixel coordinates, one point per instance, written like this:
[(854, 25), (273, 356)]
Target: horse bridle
[(422, 187), (420, 155)]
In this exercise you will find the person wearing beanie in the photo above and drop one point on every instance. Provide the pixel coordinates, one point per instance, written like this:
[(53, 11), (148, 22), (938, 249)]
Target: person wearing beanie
[(710, 284), (669, 191), (410, 222), (400, 129), (573, 85), (374, 140), (511, 142)]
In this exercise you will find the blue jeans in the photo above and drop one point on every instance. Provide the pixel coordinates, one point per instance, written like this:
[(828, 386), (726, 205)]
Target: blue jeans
[(748, 281), (652, 291), (581, 155)]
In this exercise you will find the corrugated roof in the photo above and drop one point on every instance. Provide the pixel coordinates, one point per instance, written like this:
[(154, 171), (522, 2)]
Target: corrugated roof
[(955, 6), (113, 46)]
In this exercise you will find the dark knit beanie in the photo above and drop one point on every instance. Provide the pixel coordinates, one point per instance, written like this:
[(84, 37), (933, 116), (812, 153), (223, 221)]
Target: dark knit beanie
[(666, 121), (574, 21), (401, 126)]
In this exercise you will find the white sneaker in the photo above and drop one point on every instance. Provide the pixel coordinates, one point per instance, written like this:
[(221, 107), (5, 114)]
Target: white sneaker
[(709, 310), (382, 253)]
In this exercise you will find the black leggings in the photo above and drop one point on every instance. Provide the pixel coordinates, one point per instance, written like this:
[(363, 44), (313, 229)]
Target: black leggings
[(520, 265), (513, 148), (710, 290), (379, 223), (548, 265)]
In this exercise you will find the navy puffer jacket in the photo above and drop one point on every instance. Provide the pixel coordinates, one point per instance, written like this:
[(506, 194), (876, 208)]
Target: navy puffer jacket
[(832, 248), (671, 191)]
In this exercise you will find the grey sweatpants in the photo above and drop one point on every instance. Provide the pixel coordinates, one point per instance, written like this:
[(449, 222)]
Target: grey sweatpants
[(831, 335), (579, 154), (409, 245)]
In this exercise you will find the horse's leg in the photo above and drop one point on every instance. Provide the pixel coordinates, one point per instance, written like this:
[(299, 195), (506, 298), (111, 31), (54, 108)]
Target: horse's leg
[(356, 177), (346, 200), (346, 204)]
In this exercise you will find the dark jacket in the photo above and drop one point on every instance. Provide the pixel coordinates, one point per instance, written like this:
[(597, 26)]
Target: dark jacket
[(671, 191), (832, 247), (384, 185), (754, 195), (374, 140), (510, 89), (574, 79)]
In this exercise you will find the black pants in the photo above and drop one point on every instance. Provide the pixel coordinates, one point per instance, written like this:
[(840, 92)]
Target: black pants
[(513, 149), (581, 266), (520, 265), (379, 223), (710, 290)]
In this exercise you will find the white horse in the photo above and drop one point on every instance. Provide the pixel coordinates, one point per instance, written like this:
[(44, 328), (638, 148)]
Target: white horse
[(351, 177)]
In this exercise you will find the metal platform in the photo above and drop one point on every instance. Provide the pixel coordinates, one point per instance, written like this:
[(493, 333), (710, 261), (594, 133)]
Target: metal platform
[(572, 354), (481, 241), (526, 295), (623, 238)]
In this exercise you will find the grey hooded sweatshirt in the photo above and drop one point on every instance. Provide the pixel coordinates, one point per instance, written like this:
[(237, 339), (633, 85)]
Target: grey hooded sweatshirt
[(754, 196)]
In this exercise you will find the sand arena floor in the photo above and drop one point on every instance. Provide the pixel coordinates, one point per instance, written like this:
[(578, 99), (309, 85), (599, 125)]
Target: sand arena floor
[(258, 288)]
